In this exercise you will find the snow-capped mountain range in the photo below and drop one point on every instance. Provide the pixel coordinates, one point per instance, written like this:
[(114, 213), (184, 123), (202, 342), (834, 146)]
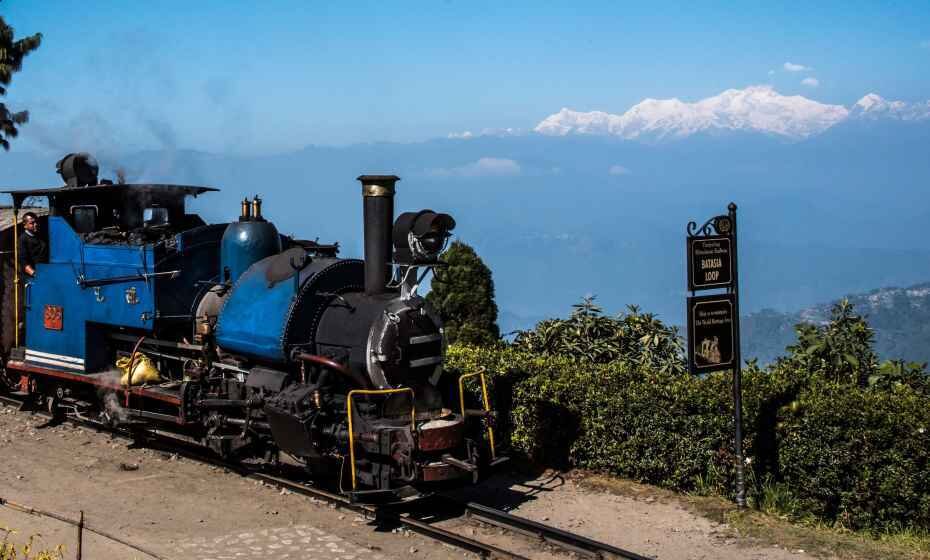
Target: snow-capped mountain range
[(755, 108)]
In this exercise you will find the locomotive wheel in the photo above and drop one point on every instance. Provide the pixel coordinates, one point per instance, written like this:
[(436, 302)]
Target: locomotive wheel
[(220, 446), (271, 457), (52, 406), (8, 382)]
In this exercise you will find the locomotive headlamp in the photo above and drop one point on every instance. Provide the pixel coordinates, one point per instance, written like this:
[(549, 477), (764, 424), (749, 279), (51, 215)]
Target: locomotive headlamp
[(420, 236)]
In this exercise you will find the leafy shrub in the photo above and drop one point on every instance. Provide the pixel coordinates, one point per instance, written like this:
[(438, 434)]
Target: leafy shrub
[(859, 457), (588, 335), (829, 431), (841, 350)]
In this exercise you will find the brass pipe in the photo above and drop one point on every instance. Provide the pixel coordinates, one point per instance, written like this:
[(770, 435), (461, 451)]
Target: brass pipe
[(257, 208), (486, 403)]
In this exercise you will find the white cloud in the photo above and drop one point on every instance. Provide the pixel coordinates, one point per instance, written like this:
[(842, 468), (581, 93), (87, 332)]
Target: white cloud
[(810, 82), (487, 132), (792, 67), (509, 131), (484, 167), (618, 170)]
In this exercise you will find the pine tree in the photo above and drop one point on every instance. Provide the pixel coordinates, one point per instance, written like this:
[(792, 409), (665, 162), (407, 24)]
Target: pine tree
[(463, 295), (12, 53)]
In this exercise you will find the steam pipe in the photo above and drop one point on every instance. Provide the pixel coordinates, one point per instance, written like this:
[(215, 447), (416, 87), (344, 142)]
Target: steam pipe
[(378, 209), (357, 379)]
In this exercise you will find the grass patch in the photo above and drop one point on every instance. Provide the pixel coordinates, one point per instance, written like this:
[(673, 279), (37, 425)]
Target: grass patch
[(29, 550), (767, 523)]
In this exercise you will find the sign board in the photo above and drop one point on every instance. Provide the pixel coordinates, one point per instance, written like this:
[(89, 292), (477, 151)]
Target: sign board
[(713, 320), (710, 262), (712, 328)]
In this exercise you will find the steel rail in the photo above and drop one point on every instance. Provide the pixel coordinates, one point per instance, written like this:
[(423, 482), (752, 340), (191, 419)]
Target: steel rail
[(552, 535), (10, 401)]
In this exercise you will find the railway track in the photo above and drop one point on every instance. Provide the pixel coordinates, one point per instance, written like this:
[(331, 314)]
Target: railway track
[(475, 512)]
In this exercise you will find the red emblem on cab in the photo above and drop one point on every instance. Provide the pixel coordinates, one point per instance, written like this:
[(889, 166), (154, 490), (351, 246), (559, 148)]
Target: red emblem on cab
[(53, 317)]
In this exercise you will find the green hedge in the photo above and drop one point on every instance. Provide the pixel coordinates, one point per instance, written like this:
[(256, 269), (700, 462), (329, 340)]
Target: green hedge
[(859, 456), (852, 454)]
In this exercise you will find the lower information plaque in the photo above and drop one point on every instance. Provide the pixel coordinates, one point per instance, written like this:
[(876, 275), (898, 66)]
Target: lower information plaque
[(711, 332)]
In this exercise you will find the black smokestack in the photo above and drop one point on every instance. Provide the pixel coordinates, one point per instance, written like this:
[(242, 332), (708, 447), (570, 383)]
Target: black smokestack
[(378, 201)]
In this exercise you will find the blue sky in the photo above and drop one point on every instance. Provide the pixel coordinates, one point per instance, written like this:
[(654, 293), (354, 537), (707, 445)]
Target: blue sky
[(275, 76)]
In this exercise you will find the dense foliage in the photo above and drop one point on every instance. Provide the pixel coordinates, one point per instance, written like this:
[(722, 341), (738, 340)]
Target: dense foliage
[(835, 434), (462, 293), (588, 335), (12, 53)]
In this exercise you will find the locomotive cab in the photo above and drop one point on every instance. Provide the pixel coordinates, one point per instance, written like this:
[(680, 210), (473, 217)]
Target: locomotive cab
[(109, 272)]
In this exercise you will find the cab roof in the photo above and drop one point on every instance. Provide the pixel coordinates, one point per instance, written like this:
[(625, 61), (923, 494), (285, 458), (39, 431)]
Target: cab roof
[(176, 190)]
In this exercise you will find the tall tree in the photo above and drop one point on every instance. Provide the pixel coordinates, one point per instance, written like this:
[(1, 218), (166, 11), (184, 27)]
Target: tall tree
[(463, 294), (12, 53)]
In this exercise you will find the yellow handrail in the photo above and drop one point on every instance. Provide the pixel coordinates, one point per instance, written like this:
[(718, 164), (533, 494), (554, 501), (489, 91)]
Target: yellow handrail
[(413, 416), (487, 404)]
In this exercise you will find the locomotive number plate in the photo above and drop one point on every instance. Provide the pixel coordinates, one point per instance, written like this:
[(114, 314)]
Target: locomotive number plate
[(53, 317)]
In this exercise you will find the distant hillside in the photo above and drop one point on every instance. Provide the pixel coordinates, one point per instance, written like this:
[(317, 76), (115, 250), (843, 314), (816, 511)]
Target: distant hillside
[(899, 316)]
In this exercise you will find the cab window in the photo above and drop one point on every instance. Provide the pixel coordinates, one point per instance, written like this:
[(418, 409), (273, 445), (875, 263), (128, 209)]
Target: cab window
[(155, 216), (84, 218)]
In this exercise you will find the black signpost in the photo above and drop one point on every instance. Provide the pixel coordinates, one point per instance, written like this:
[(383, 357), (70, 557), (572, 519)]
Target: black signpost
[(713, 320)]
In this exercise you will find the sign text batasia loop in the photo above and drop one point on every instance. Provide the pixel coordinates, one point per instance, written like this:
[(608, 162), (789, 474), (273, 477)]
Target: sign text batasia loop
[(710, 262)]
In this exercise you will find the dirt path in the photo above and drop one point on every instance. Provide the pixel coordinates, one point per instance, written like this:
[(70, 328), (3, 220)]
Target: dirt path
[(172, 506), (183, 509), (660, 528)]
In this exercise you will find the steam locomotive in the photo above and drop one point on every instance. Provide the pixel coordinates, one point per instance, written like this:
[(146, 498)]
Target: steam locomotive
[(256, 344)]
